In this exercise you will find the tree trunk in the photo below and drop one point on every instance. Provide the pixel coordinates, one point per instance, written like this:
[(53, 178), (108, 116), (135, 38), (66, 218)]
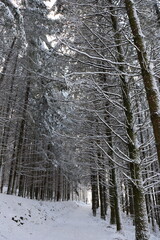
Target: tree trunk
[(21, 136), (6, 130), (94, 188), (102, 188), (141, 222), (152, 92), (59, 185), (114, 196)]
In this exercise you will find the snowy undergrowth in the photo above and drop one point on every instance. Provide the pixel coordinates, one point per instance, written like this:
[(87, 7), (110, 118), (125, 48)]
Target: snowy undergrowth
[(31, 220), (20, 218)]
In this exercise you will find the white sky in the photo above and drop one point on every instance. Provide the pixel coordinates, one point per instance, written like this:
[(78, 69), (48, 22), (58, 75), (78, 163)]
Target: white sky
[(50, 3)]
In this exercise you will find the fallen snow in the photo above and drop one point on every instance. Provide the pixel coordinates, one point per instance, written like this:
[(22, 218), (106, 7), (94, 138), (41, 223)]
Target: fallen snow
[(31, 220)]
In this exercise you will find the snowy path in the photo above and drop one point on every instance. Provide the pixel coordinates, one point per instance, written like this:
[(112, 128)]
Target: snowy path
[(24, 219), (78, 224), (35, 220)]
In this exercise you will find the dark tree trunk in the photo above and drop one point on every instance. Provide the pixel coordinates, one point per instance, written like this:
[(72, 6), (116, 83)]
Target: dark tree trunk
[(152, 92), (59, 185), (21, 137), (94, 188), (141, 223), (102, 193)]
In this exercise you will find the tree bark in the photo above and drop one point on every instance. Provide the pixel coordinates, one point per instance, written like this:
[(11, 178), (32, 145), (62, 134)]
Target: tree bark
[(141, 221), (94, 188), (102, 187), (152, 92)]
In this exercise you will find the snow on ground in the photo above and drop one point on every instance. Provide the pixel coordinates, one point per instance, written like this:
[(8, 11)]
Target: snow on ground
[(36, 220)]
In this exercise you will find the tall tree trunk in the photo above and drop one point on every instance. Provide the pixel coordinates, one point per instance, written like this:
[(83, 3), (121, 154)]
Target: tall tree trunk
[(114, 196), (152, 92), (141, 221), (94, 189), (21, 136), (6, 129), (102, 187), (59, 184)]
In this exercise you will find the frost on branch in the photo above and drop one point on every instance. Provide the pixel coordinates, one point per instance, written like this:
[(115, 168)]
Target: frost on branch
[(6, 13), (12, 13)]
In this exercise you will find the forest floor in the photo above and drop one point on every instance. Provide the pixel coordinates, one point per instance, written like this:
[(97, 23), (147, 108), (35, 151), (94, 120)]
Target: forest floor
[(36, 220)]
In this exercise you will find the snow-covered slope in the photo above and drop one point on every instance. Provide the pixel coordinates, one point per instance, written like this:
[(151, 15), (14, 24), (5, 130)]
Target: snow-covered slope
[(36, 220)]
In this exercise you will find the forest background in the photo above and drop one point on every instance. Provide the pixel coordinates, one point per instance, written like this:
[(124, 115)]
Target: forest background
[(80, 104)]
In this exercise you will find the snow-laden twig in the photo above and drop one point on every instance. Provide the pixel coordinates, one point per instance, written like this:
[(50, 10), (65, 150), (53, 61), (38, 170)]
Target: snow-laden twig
[(14, 9), (119, 165), (116, 134)]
